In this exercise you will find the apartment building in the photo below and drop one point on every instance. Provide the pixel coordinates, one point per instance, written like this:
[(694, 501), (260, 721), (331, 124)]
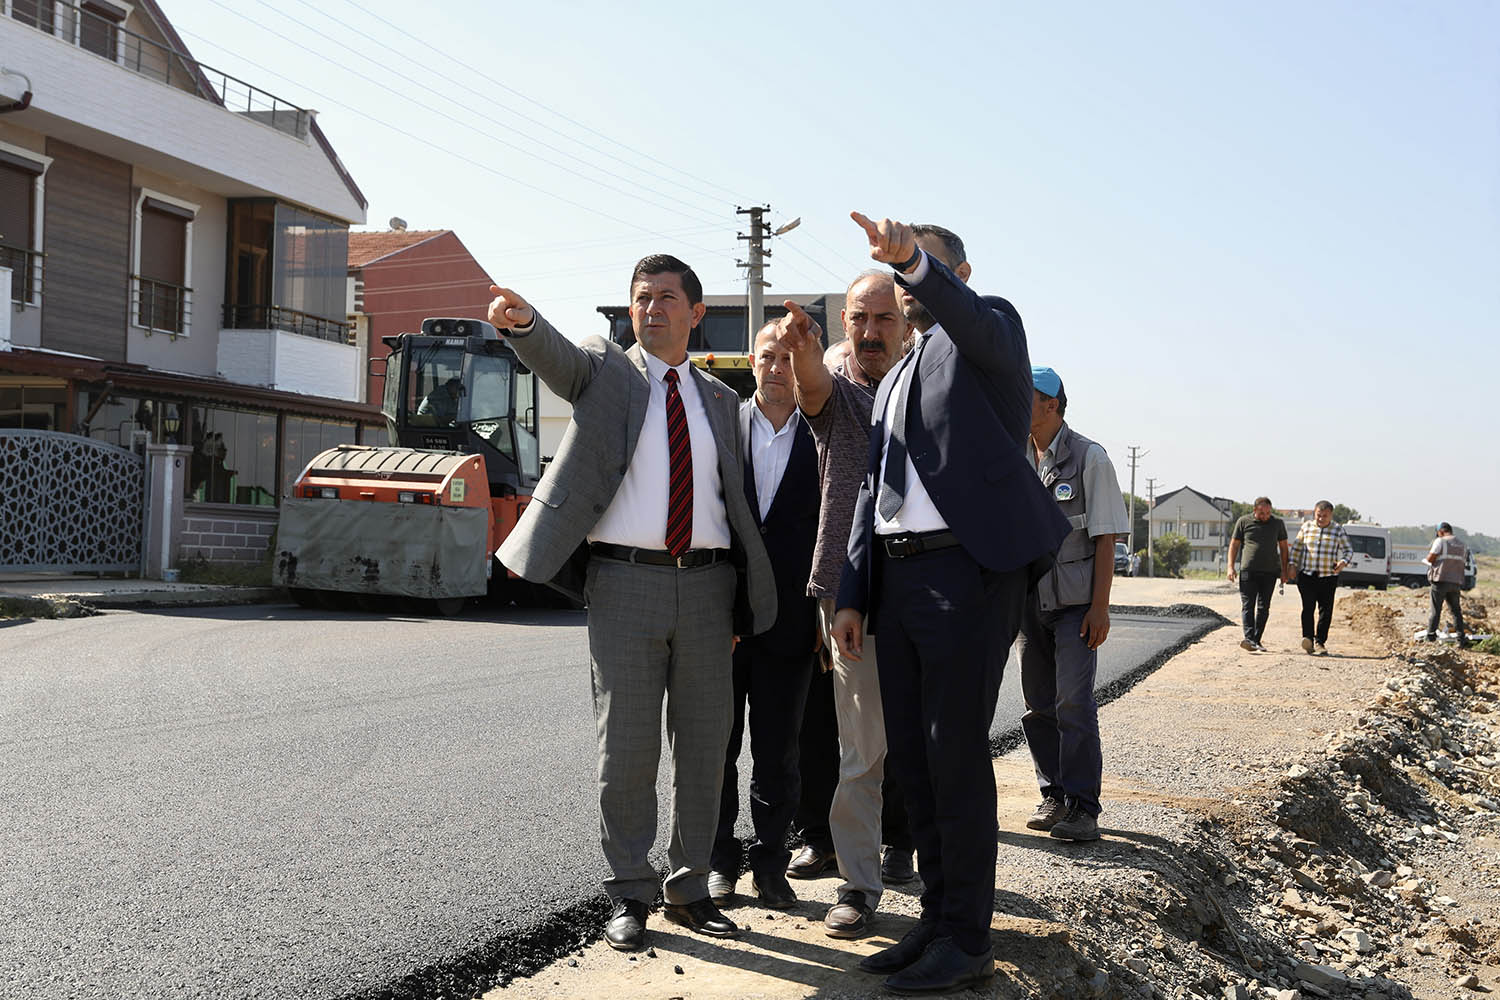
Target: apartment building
[(176, 244)]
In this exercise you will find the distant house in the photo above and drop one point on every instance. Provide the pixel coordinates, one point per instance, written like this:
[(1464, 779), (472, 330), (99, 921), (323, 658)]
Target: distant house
[(1202, 519)]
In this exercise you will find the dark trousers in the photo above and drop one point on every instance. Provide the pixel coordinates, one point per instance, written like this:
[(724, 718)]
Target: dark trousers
[(945, 629), (1062, 718), (1319, 591), (1445, 593), (775, 686), (818, 762), (1256, 588)]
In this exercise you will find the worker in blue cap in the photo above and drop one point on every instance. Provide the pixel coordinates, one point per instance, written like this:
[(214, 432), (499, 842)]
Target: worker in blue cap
[(1067, 617)]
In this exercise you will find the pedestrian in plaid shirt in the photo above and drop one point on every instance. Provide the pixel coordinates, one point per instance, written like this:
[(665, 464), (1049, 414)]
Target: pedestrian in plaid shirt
[(1319, 555)]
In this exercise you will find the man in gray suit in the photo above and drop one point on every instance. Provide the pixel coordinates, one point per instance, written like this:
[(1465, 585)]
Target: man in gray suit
[(643, 514)]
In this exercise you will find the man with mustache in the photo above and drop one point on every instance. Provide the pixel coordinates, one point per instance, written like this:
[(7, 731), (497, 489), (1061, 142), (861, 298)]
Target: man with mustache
[(837, 406)]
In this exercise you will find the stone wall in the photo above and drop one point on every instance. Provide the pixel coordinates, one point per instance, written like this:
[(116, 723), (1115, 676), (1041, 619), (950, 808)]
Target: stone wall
[(225, 534)]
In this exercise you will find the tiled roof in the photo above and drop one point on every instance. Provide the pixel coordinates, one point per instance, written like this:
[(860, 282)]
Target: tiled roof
[(367, 247)]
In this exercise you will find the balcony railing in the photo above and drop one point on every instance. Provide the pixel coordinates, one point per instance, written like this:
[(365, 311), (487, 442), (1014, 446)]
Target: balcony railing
[(26, 268), (256, 317), (104, 37), (160, 306)]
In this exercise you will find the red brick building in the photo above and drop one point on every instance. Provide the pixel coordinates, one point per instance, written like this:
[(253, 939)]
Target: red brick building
[(401, 278)]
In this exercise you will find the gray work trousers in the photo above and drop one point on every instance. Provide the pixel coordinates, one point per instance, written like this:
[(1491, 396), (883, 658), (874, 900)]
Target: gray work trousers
[(660, 632), (1062, 718)]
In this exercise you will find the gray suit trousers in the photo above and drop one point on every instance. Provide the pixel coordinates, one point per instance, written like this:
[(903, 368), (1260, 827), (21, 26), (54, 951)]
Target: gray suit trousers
[(654, 632)]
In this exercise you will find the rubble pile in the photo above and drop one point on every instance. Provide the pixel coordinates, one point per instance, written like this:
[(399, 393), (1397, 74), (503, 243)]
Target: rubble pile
[(1333, 880)]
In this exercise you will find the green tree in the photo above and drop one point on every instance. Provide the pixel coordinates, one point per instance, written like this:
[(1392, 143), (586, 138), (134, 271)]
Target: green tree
[(1343, 515), (1238, 509), (1170, 553)]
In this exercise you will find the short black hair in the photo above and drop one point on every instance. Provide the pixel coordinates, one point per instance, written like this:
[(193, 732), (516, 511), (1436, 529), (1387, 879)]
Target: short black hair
[(1323, 505), (1261, 500), (951, 243), (1061, 397), (665, 263)]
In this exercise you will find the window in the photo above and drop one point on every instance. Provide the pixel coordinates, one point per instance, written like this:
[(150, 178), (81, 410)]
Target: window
[(37, 13), (99, 27), (1370, 545), (234, 456), (20, 196), (303, 438), (1195, 529), (163, 252), (36, 407)]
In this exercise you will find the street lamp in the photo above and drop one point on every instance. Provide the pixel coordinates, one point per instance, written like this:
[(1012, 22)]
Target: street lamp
[(788, 227)]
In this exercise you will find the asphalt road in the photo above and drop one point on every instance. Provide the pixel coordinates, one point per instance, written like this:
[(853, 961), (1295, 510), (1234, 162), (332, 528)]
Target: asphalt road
[(270, 801)]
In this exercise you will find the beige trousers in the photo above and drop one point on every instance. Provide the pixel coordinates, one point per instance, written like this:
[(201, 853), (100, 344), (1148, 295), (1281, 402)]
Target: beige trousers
[(854, 818)]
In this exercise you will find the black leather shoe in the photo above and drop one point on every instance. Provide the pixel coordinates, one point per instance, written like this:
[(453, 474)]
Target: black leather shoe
[(626, 928), (896, 867), (811, 862), (773, 890), (903, 953), (701, 916), (943, 968)]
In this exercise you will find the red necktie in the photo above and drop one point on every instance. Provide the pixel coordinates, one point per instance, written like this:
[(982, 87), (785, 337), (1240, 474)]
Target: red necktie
[(680, 474)]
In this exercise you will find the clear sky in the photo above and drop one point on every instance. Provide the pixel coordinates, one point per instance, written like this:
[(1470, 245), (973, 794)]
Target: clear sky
[(1258, 241)]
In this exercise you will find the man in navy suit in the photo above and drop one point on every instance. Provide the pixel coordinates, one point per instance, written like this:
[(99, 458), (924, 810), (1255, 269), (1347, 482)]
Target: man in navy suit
[(950, 526), (772, 670)]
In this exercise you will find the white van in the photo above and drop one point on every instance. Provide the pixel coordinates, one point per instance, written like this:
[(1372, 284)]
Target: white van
[(1372, 556), (1409, 567)]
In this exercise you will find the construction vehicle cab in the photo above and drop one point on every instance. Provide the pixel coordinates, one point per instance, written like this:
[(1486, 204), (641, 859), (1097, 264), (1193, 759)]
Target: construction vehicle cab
[(421, 518)]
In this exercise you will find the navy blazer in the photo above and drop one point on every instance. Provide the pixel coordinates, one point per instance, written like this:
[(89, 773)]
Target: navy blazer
[(968, 419), (789, 531)]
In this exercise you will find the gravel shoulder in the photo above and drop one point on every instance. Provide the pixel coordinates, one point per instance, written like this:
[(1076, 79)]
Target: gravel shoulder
[(1276, 825)]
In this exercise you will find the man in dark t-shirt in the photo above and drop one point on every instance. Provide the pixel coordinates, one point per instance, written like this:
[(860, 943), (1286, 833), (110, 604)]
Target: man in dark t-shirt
[(1262, 538)]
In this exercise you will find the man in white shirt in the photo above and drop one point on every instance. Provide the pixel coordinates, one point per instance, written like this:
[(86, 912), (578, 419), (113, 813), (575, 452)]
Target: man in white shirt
[(773, 670), (643, 512)]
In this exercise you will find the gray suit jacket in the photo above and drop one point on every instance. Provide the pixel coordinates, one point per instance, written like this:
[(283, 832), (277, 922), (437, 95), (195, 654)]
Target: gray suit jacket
[(609, 390)]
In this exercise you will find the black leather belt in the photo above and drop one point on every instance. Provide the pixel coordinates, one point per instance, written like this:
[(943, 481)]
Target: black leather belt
[(691, 559), (914, 544)]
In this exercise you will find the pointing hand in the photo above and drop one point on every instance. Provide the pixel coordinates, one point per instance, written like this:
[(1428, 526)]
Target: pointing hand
[(799, 331), (508, 310), (890, 242)]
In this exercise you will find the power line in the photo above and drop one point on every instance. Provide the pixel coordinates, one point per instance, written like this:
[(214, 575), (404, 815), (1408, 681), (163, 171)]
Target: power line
[(446, 54), (407, 36), (451, 154), (458, 121)]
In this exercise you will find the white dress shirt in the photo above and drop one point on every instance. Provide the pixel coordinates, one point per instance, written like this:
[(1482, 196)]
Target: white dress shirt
[(637, 516), (917, 511), (770, 450)]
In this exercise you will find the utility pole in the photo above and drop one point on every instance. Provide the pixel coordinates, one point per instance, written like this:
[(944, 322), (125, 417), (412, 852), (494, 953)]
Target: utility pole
[(1150, 503), (755, 273), (1135, 456)]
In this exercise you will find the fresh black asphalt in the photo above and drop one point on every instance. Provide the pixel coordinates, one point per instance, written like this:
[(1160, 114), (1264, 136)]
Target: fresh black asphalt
[(276, 802)]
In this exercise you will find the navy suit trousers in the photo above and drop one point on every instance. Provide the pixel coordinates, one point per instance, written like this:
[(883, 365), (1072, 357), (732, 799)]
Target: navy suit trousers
[(946, 627), (775, 686)]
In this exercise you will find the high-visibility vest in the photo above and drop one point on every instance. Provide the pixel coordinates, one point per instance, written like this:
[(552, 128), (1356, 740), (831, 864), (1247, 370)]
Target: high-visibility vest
[(1448, 567)]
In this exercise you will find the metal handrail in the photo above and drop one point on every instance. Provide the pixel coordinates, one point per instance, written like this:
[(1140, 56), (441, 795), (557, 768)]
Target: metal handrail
[(27, 272), (259, 317), (161, 305), (102, 36)]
